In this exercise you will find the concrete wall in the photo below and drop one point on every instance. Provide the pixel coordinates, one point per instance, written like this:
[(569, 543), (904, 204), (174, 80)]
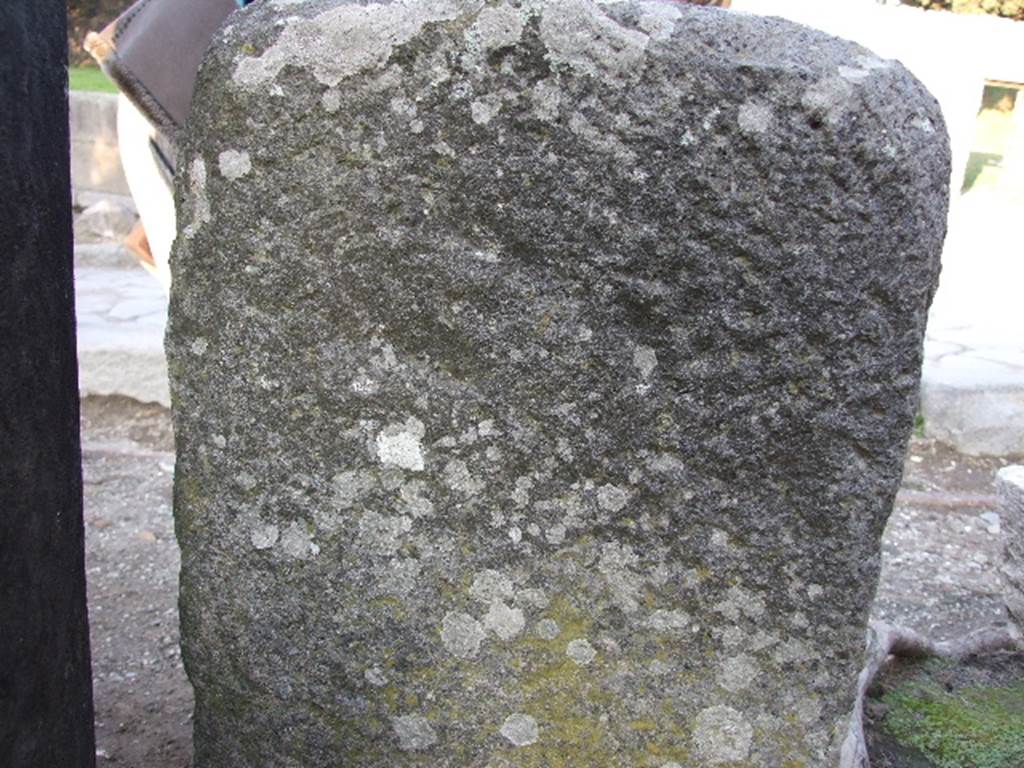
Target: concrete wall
[(95, 160)]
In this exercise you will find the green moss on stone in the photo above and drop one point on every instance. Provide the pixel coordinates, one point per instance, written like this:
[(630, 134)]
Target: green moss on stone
[(979, 727)]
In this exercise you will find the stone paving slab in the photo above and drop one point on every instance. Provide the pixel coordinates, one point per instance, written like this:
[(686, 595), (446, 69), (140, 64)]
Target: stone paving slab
[(122, 314), (972, 393)]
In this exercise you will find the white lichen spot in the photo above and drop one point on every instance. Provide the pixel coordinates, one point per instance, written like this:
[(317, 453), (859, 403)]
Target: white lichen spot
[(924, 124), (873, 62), (578, 34), (234, 164), (331, 101), (555, 534), (791, 651), (668, 621), (403, 107), (611, 498), (399, 445), (520, 729), (462, 635), (581, 652), (814, 591), (808, 710), (625, 585), (532, 597), (197, 186), (515, 533), (415, 733), (485, 109), (547, 629), (721, 735), (219, 441), (737, 673), (829, 98), (264, 535), (350, 486), (853, 74), (496, 27), (414, 496), (754, 118), (719, 539), (296, 542), (486, 428), (659, 20), (645, 360), (341, 41), (245, 481), (383, 534), (375, 676), (709, 119), (740, 601), (199, 346), (503, 621), (459, 478), (490, 585)]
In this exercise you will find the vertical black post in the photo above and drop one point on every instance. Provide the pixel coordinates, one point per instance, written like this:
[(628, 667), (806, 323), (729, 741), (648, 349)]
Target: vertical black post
[(45, 682)]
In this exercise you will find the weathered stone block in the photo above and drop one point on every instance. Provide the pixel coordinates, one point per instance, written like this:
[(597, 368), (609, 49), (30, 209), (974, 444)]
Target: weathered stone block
[(1010, 487), (542, 376)]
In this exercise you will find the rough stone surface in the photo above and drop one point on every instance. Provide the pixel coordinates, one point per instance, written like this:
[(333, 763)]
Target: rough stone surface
[(577, 344), (1010, 487), (46, 713)]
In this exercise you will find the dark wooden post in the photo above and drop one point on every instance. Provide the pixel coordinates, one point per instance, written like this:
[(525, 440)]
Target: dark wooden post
[(46, 714)]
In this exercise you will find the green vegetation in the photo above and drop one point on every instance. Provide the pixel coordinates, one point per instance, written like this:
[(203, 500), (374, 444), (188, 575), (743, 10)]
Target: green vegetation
[(1011, 9), (980, 727), (89, 79)]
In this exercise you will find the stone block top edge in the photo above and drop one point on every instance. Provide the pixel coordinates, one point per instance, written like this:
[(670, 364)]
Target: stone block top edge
[(334, 40)]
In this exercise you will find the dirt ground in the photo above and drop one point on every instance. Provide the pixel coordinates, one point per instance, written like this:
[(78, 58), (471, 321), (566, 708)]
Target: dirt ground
[(941, 552)]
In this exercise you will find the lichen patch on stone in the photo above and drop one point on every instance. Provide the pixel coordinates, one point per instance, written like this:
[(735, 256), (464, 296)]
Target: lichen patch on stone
[(503, 621), (461, 634), (200, 202), (668, 621), (737, 673), (579, 34), (490, 585), (297, 543), (414, 732), (722, 735), (581, 651), (399, 445), (344, 40), (754, 118), (547, 629), (520, 729), (264, 535), (234, 164), (611, 498)]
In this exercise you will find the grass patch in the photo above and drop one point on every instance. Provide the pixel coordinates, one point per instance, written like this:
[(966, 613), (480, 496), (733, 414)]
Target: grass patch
[(89, 79), (980, 727)]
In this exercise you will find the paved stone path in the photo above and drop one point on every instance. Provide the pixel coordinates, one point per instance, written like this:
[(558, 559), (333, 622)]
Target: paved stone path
[(121, 318), (972, 394)]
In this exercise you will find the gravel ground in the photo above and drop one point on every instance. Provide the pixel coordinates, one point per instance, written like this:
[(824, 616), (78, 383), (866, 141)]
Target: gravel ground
[(941, 552)]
